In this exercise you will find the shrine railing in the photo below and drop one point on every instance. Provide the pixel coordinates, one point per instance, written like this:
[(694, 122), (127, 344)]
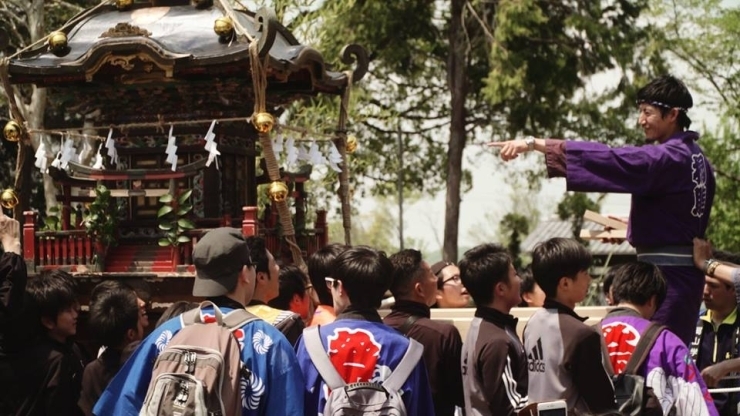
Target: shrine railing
[(71, 249)]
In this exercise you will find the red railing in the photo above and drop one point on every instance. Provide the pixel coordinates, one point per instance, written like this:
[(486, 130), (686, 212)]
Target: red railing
[(52, 249)]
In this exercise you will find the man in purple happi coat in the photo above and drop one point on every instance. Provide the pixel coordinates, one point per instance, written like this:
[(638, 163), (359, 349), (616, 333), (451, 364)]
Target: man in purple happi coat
[(672, 186)]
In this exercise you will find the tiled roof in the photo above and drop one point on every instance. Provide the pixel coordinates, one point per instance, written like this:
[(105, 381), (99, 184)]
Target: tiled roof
[(546, 230)]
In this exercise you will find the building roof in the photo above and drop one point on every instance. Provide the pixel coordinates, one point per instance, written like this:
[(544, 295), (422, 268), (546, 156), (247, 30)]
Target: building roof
[(138, 64), (546, 230)]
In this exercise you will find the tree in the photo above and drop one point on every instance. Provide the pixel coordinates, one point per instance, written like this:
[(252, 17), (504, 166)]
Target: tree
[(574, 205), (478, 68), (24, 22)]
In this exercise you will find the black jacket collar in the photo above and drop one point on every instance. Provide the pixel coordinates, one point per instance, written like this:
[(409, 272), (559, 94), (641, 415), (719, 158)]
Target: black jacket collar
[(496, 317), (553, 304), (412, 308), (361, 314)]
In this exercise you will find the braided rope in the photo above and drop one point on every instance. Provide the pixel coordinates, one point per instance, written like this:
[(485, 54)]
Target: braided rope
[(259, 79)]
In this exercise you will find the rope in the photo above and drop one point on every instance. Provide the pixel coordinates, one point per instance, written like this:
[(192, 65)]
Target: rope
[(259, 79), (341, 143)]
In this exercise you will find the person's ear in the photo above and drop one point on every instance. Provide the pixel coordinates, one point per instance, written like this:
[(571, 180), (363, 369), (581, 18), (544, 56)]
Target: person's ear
[(296, 300), (48, 323), (419, 289), (439, 295), (132, 335)]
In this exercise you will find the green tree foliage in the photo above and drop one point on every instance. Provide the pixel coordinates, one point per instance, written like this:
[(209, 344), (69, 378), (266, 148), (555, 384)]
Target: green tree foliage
[(574, 205), (524, 61), (702, 35)]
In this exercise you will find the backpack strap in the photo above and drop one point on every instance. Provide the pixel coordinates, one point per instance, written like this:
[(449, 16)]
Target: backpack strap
[(238, 318), (406, 327), (405, 367), (642, 350), (320, 359)]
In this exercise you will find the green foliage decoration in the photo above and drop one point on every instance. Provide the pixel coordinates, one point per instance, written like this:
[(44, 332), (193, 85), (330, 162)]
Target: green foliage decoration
[(173, 219)]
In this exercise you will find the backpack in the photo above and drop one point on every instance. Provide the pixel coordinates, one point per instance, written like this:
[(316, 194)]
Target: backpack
[(363, 398), (634, 397), (199, 371)]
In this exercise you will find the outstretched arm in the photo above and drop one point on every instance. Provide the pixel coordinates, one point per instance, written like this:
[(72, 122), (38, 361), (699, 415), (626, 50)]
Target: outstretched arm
[(727, 273), (511, 149)]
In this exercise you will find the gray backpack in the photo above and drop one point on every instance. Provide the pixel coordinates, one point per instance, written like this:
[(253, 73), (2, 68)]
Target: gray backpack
[(364, 398), (199, 371)]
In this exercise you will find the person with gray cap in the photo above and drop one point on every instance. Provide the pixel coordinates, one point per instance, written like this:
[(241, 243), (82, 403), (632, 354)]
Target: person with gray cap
[(224, 275)]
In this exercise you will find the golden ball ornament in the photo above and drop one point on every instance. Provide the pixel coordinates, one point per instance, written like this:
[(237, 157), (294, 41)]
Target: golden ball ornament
[(351, 144), (8, 199), (58, 43), (277, 191), (263, 122), (12, 131), (223, 26), (124, 4)]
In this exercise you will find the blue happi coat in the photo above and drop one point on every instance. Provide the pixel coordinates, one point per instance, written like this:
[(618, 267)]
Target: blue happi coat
[(363, 351), (275, 387)]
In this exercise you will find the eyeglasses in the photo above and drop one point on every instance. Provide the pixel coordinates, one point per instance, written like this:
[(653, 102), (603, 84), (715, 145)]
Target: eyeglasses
[(455, 278), (330, 282), (249, 263)]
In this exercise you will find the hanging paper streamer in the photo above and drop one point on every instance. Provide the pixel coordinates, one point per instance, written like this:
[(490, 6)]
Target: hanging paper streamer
[(335, 158), (111, 146), (315, 157), (99, 159), (41, 161), (303, 153), (291, 154), (277, 145), (171, 150), (211, 146), (68, 153)]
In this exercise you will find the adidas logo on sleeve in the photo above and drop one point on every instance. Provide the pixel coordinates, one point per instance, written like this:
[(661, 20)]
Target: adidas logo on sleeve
[(535, 358)]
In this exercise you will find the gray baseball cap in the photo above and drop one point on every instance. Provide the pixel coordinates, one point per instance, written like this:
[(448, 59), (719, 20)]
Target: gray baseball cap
[(219, 258)]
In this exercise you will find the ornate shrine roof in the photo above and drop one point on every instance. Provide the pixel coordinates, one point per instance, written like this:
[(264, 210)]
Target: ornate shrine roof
[(146, 62)]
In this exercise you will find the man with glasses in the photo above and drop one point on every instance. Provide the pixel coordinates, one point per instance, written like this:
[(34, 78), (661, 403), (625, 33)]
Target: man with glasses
[(360, 347), (415, 288), (225, 275), (296, 293), (450, 291), (672, 186)]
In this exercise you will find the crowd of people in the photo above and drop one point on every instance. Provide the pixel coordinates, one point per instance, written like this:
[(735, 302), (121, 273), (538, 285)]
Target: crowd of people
[(308, 341)]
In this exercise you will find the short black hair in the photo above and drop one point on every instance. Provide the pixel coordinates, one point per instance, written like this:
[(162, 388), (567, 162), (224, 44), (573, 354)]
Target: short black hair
[(320, 267), (258, 253), (366, 274), (608, 280), (292, 282), (667, 92), (557, 258), (527, 285), (637, 282), (481, 268), (112, 313), (51, 292), (406, 270), (175, 309)]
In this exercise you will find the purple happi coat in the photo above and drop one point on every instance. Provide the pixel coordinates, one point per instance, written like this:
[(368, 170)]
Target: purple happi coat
[(672, 186), (669, 369)]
